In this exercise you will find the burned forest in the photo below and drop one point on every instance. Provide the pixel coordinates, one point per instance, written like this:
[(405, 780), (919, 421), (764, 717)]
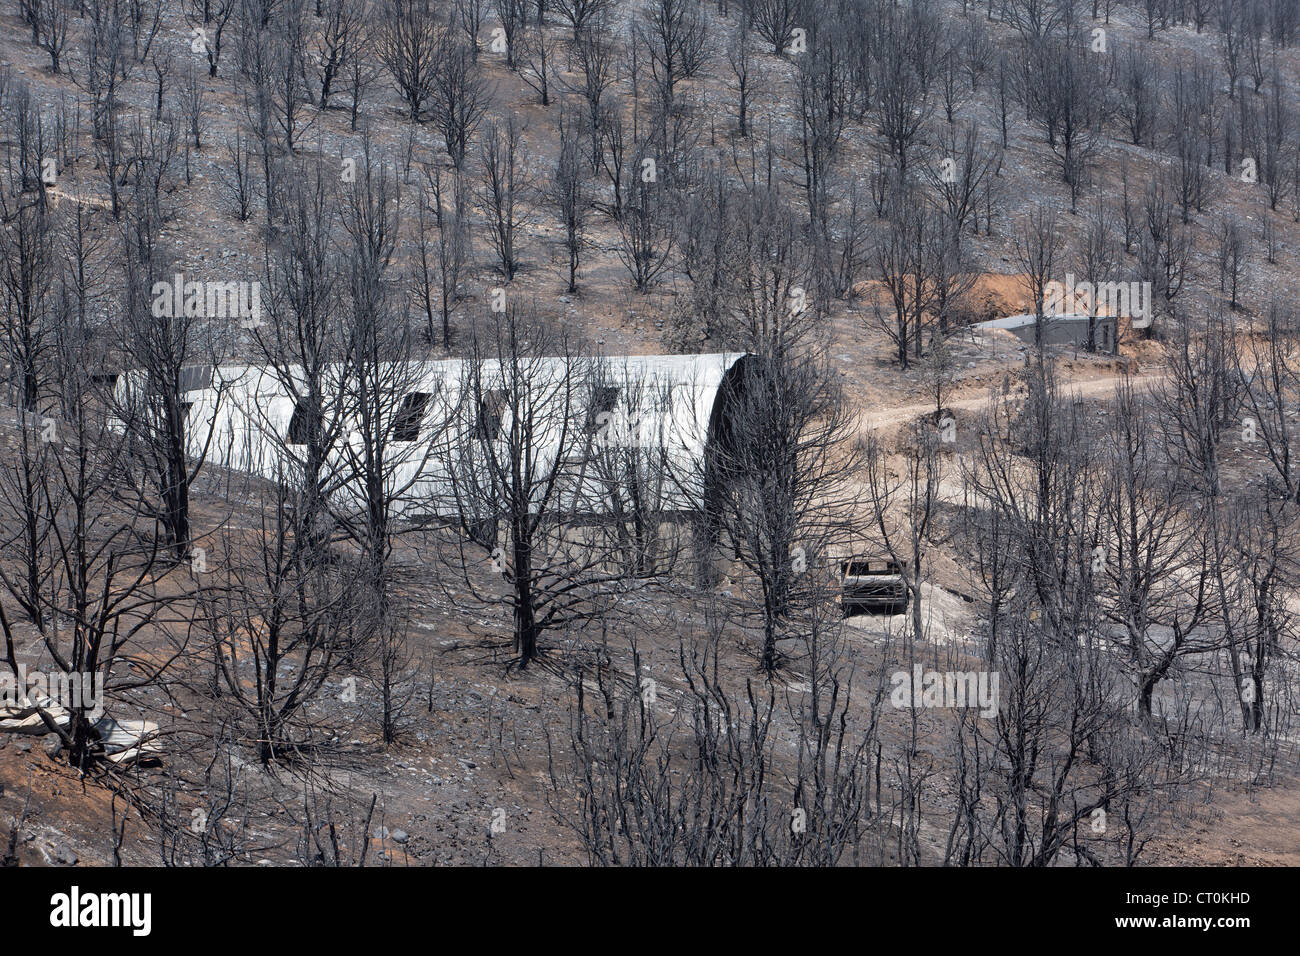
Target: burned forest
[(649, 433)]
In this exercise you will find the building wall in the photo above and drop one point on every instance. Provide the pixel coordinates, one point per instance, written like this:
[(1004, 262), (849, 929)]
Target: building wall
[(241, 415), (1071, 332)]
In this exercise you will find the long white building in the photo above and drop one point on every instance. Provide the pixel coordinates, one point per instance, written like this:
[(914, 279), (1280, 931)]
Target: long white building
[(449, 418)]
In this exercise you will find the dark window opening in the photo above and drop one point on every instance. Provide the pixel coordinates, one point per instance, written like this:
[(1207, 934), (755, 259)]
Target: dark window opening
[(186, 408), (604, 398), (491, 415), (194, 377), (406, 425), (298, 429), (862, 567)]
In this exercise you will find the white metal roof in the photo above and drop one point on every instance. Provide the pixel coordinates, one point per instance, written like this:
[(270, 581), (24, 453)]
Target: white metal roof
[(664, 402), (1020, 321)]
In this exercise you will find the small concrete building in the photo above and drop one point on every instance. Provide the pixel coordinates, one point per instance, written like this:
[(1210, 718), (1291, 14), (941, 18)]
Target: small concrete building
[(1066, 329)]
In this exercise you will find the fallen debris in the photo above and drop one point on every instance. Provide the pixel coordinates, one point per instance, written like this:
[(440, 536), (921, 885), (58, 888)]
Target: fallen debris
[(25, 718), (126, 741)]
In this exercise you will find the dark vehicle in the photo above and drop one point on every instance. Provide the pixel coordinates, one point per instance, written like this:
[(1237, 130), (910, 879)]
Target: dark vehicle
[(872, 586)]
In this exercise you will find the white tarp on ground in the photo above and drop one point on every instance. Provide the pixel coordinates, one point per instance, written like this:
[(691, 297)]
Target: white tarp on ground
[(124, 740), (128, 740), (24, 718)]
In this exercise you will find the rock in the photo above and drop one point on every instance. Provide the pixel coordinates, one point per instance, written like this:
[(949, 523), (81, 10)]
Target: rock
[(23, 746), (62, 854), (382, 833), (401, 836), (53, 746)]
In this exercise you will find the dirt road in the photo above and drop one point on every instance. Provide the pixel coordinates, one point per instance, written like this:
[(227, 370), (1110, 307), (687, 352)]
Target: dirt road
[(1084, 388)]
